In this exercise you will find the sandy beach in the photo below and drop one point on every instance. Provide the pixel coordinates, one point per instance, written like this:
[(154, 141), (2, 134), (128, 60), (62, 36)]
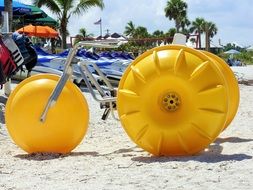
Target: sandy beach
[(107, 159)]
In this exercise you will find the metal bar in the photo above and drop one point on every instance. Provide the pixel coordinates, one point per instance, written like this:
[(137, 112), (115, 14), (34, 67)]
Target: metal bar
[(92, 79), (112, 112), (68, 72), (108, 84), (100, 73), (99, 44), (60, 85), (86, 80), (69, 59), (104, 99), (54, 96)]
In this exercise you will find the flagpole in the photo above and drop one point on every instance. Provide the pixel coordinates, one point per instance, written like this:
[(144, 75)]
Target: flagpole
[(101, 28), (100, 24)]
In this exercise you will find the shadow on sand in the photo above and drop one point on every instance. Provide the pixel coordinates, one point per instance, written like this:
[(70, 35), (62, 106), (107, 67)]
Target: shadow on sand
[(211, 155), (52, 156)]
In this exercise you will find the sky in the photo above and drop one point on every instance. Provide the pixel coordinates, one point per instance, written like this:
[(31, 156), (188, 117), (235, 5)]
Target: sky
[(233, 18)]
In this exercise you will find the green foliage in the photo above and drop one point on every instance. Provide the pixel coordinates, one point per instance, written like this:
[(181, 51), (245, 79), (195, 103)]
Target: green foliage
[(197, 25), (210, 30), (171, 32), (65, 9), (232, 46), (246, 57), (83, 35), (129, 29), (197, 28), (177, 10), (158, 33)]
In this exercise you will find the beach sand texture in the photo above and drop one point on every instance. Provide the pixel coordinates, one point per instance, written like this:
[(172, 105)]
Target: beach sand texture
[(107, 159)]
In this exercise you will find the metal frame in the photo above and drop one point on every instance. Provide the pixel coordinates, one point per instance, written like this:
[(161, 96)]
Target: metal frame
[(108, 96)]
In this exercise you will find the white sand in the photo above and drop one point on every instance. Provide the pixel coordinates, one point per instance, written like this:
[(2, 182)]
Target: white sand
[(107, 159)]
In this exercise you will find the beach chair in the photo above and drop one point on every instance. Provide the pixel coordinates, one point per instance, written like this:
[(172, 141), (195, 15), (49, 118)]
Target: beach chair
[(171, 100)]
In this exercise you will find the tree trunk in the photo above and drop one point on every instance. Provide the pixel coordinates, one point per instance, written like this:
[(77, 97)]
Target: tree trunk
[(52, 40), (8, 8), (64, 32), (207, 41), (177, 25), (199, 36), (64, 40)]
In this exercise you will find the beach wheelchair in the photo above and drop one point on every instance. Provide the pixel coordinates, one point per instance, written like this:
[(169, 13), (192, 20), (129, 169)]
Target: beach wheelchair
[(172, 100)]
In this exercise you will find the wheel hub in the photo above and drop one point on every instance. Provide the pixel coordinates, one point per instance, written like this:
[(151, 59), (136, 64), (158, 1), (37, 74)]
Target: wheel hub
[(171, 101)]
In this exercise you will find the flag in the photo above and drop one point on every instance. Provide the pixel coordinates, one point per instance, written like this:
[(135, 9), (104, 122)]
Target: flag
[(98, 22)]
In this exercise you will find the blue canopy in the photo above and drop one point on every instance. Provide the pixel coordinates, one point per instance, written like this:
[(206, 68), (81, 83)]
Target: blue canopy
[(18, 8)]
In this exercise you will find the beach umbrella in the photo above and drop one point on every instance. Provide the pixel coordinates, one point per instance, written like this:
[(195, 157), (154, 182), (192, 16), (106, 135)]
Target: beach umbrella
[(232, 51), (48, 21), (35, 13), (38, 31), (36, 17), (18, 8)]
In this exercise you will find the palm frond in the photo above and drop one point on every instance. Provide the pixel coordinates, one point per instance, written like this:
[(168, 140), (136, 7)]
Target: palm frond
[(51, 4), (84, 5)]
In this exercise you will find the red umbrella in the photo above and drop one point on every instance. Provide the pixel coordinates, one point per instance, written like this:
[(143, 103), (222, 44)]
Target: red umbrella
[(38, 31)]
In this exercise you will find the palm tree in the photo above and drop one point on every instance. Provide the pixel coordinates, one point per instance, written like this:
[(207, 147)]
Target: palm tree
[(8, 8), (171, 32), (65, 9), (176, 10), (83, 32), (210, 30), (83, 35), (184, 23), (129, 29), (158, 33), (197, 28), (141, 32)]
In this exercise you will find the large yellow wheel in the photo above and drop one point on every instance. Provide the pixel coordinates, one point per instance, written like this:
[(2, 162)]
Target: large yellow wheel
[(173, 100), (66, 122), (233, 88)]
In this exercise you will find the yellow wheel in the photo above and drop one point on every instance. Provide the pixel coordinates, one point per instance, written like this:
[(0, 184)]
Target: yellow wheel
[(66, 122), (233, 88), (173, 100)]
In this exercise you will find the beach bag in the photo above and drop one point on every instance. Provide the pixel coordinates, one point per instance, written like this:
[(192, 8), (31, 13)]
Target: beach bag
[(33, 57), (27, 50), (7, 65)]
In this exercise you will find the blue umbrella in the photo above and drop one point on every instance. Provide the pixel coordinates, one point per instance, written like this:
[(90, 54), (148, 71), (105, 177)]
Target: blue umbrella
[(18, 8)]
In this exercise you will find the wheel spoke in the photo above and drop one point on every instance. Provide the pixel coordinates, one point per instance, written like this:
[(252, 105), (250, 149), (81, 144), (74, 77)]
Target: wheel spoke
[(128, 93), (138, 76), (214, 94), (201, 131), (157, 62), (180, 65), (183, 142), (199, 70)]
